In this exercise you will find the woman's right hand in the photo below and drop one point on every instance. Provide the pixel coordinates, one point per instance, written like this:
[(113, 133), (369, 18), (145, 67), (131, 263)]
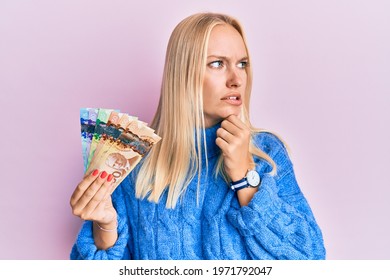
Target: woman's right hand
[(91, 199)]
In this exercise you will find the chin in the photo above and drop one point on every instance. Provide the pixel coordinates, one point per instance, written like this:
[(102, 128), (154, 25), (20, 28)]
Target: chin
[(232, 112)]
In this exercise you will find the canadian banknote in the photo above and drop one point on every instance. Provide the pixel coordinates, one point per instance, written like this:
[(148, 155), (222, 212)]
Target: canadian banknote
[(118, 142), (117, 123), (100, 125), (87, 121)]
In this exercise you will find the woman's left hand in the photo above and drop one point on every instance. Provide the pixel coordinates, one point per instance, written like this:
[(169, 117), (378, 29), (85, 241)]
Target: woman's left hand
[(233, 138)]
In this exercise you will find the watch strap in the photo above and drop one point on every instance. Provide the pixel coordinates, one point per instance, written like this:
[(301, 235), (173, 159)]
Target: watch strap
[(240, 184)]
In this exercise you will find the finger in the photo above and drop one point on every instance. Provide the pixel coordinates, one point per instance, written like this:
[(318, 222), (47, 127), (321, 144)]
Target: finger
[(98, 201), (107, 200), (228, 125), (222, 144), (89, 193), (82, 186), (237, 121), (236, 127), (225, 135)]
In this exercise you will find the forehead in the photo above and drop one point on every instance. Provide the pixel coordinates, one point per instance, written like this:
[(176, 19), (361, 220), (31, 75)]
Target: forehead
[(225, 40)]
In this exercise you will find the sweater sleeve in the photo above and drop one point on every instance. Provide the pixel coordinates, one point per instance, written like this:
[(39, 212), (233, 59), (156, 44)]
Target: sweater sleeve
[(85, 248), (278, 220)]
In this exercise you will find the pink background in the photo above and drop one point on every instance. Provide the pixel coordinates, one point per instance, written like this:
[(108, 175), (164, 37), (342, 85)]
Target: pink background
[(321, 80)]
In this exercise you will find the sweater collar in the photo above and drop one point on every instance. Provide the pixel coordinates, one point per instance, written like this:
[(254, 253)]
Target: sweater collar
[(211, 135)]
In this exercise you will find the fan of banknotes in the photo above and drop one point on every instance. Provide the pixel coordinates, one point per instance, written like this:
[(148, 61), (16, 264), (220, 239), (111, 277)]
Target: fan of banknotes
[(114, 142)]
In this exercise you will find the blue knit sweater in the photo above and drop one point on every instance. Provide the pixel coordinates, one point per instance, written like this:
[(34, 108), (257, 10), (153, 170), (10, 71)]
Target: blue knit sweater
[(277, 223)]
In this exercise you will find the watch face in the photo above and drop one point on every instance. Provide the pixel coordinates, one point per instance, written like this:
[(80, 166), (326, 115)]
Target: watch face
[(253, 178)]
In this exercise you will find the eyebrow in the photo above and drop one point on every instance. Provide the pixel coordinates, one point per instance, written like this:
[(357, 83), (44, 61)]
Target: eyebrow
[(226, 58)]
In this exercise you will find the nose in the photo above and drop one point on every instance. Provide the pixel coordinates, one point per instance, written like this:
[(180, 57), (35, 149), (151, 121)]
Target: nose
[(234, 79)]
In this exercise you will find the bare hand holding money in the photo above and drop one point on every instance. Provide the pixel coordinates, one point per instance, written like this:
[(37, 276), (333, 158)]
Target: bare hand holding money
[(119, 142), (91, 199)]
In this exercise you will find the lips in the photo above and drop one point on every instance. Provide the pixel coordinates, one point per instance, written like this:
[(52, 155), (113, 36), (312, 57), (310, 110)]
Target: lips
[(233, 99)]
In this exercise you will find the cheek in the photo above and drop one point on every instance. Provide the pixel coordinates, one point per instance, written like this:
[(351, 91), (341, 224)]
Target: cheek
[(207, 92), (206, 84), (211, 88)]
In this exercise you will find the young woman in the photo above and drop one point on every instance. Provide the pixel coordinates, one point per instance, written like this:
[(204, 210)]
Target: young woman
[(214, 187)]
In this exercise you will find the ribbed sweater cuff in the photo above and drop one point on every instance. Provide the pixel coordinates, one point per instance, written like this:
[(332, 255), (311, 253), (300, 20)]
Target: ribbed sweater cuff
[(262, 209), (87, 249)]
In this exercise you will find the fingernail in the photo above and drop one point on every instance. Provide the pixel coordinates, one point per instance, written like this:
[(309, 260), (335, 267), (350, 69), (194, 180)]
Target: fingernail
[(109, 178), (95, 172), (103, 175)]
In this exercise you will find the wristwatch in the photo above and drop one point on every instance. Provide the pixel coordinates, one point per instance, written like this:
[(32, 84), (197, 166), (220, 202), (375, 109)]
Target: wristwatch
[(251, 180)]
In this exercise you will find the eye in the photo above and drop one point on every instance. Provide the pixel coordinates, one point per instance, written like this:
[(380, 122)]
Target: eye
[(216, 64), (242, 64)]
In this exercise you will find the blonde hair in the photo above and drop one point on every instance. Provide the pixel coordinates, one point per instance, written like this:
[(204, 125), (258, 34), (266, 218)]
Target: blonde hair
[(174, 161)]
